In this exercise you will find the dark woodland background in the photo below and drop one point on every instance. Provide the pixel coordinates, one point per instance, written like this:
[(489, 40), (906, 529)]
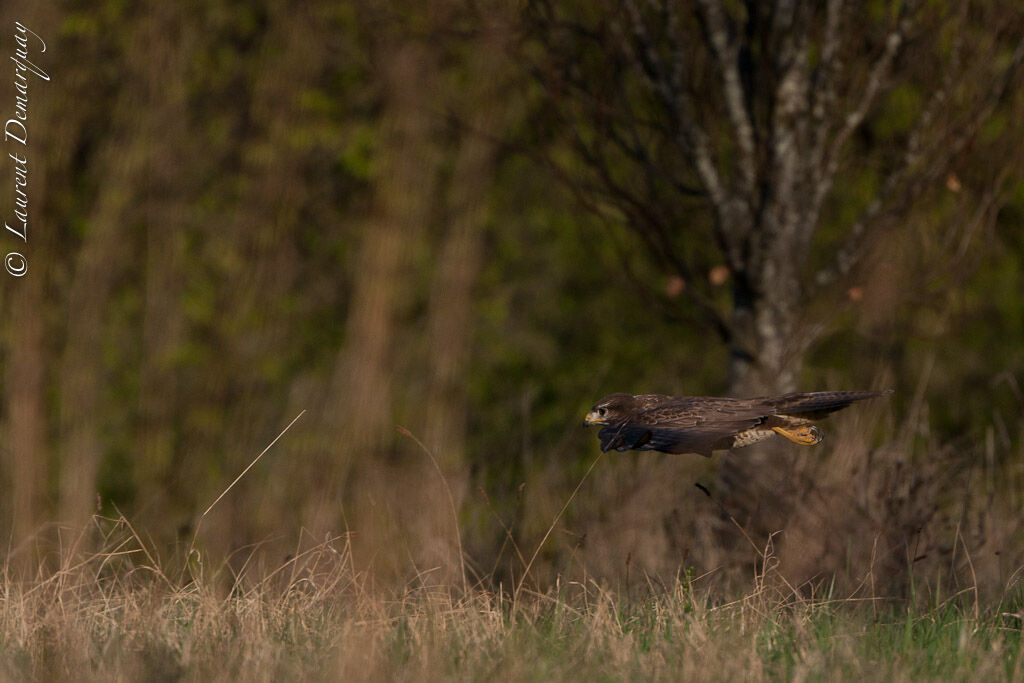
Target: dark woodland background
[(467, 221)]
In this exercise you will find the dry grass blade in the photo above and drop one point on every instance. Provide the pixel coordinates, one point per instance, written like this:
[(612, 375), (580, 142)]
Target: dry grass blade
[(451, 501), (529, 565), (195, 535), (249, 467)]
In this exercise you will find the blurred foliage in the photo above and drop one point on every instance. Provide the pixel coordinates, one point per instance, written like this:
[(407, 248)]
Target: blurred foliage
[(233, 153)]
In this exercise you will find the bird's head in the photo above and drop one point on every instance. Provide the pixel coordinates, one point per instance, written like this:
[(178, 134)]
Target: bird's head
[(611, 409)]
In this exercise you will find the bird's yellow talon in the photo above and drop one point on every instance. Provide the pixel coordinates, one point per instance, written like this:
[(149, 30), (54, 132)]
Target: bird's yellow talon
[(808, 435)]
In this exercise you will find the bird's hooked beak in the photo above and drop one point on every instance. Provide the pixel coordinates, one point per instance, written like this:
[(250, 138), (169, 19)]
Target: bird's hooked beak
[(593, 418)]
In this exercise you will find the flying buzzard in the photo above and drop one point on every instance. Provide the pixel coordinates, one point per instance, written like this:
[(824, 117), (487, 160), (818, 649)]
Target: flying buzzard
[(702, 424)]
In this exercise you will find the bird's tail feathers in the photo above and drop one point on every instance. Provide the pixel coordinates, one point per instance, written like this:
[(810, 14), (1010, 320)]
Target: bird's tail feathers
[(821, 403)]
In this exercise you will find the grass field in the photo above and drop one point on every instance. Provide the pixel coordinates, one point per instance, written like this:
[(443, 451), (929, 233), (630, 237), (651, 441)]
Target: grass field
[(119, 615)]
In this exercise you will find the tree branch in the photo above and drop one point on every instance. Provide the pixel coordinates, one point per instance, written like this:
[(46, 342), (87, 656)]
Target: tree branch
[(879, 72), (689, 135), (909, 187), (726, 50), (822, 85)]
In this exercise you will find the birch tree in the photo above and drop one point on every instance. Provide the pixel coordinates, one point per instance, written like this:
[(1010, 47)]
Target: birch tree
[(727, 135)]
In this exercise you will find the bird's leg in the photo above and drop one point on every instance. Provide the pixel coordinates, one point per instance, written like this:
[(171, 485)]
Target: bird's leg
[(808, 435)]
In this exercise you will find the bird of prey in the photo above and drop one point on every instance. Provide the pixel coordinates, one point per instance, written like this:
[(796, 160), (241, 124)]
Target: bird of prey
[(701, 424)]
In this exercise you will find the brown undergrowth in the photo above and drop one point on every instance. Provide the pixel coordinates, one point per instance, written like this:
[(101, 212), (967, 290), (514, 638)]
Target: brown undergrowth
[(122, 614), (891, 562)]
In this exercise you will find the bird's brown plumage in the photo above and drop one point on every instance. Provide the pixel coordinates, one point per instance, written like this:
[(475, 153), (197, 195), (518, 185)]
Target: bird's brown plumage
[(701, 424)]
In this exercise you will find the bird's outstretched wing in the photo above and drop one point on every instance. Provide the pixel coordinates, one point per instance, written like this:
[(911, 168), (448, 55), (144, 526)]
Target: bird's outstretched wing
[(688, 425)]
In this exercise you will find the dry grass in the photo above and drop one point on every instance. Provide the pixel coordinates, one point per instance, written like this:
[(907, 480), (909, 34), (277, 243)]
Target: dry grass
[(116, 615), (103, 605)]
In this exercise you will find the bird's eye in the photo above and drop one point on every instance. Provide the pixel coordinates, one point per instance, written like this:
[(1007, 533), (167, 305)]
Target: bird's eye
[(601, 411)]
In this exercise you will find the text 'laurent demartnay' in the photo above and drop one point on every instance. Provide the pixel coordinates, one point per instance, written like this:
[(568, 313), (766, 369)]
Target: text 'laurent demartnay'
[(16, 135)]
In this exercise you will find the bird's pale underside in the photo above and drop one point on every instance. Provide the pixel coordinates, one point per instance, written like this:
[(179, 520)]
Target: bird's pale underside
[(702, 424)]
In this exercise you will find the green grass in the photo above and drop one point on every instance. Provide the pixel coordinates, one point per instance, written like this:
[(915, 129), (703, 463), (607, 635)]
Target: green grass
[(115, 615)]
